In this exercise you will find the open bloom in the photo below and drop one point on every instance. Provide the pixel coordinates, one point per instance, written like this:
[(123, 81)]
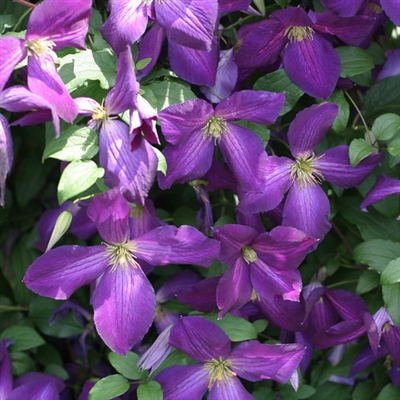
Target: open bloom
[(219, 366), (52, 25), (307, 206), (123, 298)]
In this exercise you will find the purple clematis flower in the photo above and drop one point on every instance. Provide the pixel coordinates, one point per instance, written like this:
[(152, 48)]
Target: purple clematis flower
[(259, 264), (193, 128), (132, 171), (307, 206), (6, 155), (384, 186), (219, 366), (51, 26), (123, 298), (191, 23)]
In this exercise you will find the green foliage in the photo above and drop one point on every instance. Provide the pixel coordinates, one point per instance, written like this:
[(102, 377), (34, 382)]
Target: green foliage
[(150, 391), (109, 387), (126, 365), (358, 150), (23, 337)]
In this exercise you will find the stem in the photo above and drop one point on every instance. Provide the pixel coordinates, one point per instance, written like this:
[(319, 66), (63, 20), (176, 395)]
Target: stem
[(22, 17), (340, 234), (238, 22), (358, 111), (25, 3), (342, 283), (12, 308)]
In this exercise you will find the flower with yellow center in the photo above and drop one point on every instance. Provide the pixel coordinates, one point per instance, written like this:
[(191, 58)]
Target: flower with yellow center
[(304, 171), (121, 255), (249, 254), (37, 47), (299, 33), (218, 371), (215, 128)]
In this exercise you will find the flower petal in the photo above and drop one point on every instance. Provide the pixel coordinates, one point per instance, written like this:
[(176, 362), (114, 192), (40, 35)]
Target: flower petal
[(35, 390), (6, 377), (229, 389), (6, 155), (61, 271), (392, 10), (384, 186), (124, 305), (12, 51)]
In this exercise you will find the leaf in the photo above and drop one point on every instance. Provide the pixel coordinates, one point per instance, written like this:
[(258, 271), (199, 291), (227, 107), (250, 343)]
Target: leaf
[(389, 392), (237, 329), (23, 337), (391, 298), (386, 126), (150, 391), (358, 150), (354, 61), (162, 162), (169, 92), (21, 363), (62, 224), (7, 21), (76, 69), (74, 143), (391, 274), (109, 387), (342, 118), (377, 253), (76, 178), (260, 5), (126, 365), (394, 146), (142, 63), (56, 370), (368, 280), (279, 82)]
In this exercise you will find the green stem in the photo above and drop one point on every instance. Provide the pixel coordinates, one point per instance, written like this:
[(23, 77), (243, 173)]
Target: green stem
[(22, 17), (342, 283), (25, 3), (5, 308)]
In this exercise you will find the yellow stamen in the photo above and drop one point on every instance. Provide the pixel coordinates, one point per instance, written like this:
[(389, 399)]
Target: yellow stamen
[(304, 171), (249, 254), (299, 33), (37, 47), (218, 370), (121, 254), (215, 127)]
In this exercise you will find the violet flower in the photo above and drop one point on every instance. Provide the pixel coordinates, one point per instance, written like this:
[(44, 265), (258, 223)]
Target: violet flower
[(52, 26), (123, 298), (219, 365), (307, 206), (6, 155), (383, 187), (194, 128)]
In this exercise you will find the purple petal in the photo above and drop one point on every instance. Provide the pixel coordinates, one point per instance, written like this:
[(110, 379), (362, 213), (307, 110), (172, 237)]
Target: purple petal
[(256, 106), (255, 361), (38, 117), (309, 127), (347, 304), (187, 161), (110, 212), (86, 105), (365, 358), (183, 382), (307, 209), (234, 288), (124, 304), (391, 335), (184, 245), (276, 183), (6, 155), (188, 336), (384, 186), (244, 153), (227, 6), (392, 10), (229, 389), (313, 65), (336, 168), (40, 376), (233, 237), (179, 120), (44, 80), (12, 51), (132, 171), (195, 66), (36, 390), (61, 271), (65, 23), (123, 96), (190, 24), (6, 378), (126, 23), (343, 7), (391, 66)]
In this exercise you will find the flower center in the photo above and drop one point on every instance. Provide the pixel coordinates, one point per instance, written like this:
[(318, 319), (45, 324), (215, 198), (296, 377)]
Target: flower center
[(249, 254), (121, 254), (299, 33), (137, 211), (304, 171), (374, 8), (218, 370), (37, 47), (214, 128)]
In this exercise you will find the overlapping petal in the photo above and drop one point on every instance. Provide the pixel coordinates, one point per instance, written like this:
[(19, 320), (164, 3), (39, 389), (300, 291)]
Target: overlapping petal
[(6, 155), (12, 51), (230, 389), (6, 381), (383, 187)]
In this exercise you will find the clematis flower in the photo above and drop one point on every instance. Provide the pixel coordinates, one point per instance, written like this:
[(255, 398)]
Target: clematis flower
[(51, 26), (259, 264), (307, 206), (123, 298), (219, 366), (189, 23), (384, 186), (6, 155), (131, 171), (193, 128)]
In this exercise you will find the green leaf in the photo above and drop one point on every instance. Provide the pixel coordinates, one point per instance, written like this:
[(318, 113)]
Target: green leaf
[(24, 337), (150, 391), (331, 391), (354, 61), (386, 126), (368, 280), (391, 274), (394, 146), (109, 387), (260, 5), (48, 354), (21, 363), (377, 253), (169, 92), (358, 150), (237, 329), (76, 178), (7, 21), (62, 224), (126, 365), (162, 161), (76, 69), (391, 298), (142, 63), (260, 325), (74, 143), (342, 118), (389, 392), (56, 370), (279, 82)]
